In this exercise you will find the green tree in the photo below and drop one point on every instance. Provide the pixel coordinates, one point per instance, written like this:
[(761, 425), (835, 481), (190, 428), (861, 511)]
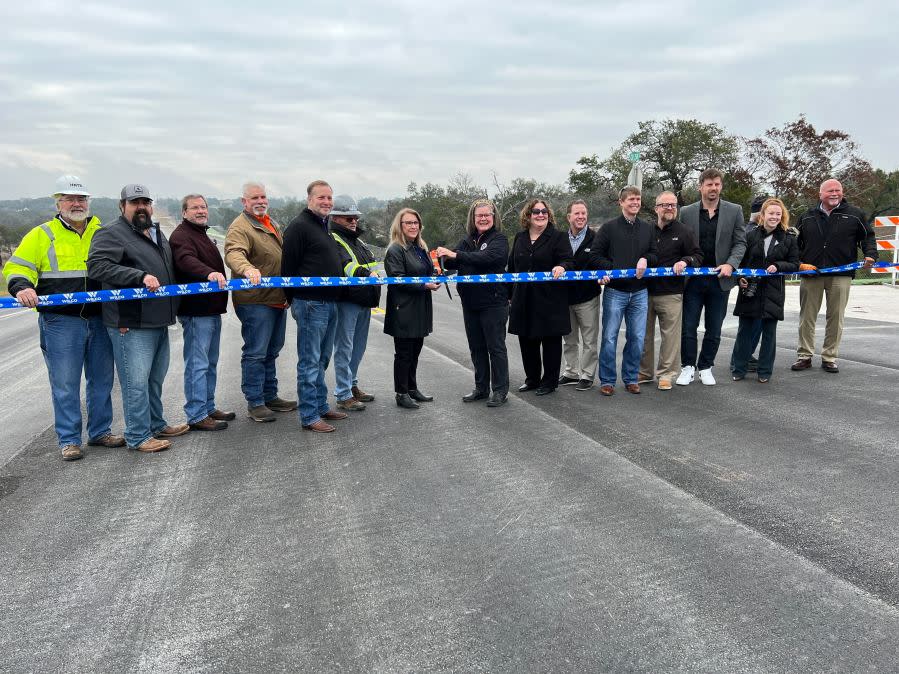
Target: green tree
[(672, 154)]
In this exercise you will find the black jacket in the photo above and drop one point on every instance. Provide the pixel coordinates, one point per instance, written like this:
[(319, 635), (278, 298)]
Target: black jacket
[(583, 291), (674, 243), (309, 250), (364, 296), (831, 241), (619, 245), (196, 256), (120, 257), (766, 299), (486, 254), (410, 311), (540, 309)]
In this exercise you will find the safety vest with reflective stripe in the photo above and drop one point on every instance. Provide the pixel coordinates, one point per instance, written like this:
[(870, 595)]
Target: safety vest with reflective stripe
[(350, 267), (52, 258)]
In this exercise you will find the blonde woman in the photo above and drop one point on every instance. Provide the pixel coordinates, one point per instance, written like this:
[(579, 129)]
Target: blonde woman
[(409, 317), (761, 300)]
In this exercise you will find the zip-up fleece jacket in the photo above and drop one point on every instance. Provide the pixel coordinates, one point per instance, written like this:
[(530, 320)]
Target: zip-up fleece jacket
[(52, 258), (357, 260), (832, 240), (309, 250), (674, 243), (196, 257), (120, 257), (249, 244), (619, 245), (484, 255), (583, 291)]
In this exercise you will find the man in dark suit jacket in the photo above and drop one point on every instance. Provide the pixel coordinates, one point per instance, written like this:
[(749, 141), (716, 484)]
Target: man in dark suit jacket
[(720, 228), (580, 350)]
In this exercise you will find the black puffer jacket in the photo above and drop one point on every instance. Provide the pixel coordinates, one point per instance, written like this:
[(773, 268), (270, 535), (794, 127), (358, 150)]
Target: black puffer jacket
[(410, 312), (764, 298), (833, 240), (483, 255)]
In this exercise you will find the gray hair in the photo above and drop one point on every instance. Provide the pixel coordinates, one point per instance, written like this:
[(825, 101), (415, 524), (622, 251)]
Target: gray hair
[(247, 186)]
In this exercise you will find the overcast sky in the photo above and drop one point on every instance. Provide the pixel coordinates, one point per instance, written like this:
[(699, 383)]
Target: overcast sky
[(201, 96)]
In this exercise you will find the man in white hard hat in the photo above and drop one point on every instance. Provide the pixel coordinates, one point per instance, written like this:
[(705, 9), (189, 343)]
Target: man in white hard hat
[(354, 309), (51, 259)]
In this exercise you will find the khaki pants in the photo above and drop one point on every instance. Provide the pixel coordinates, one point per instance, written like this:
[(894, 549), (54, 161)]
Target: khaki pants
[(668, 309), (580, 350), (812, 289)]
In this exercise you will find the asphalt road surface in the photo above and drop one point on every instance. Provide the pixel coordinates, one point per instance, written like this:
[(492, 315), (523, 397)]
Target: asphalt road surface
[(742, 527)]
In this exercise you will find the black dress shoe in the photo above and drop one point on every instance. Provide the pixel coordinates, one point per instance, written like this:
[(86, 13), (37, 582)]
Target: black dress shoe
[(418, 396), (544, 390), (496, 399), (405, 400), (526, 387), (475, 395), (829, 366)]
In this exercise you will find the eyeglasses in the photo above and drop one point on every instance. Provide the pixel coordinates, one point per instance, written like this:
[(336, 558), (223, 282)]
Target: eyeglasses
[(348, 218), (483, 216), (540, 211), (667, 206), (74, 199), (409, 222)]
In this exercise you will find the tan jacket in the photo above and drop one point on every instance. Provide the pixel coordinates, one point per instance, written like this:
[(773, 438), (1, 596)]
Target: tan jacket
[(249, 244)]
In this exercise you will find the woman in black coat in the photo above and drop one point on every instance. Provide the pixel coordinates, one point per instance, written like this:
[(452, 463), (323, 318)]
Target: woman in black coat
[(539, 310), (761, 299), (485, 306), (409, 317)]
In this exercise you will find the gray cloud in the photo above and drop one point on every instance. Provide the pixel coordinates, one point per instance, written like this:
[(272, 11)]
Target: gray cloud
[(202, 95)]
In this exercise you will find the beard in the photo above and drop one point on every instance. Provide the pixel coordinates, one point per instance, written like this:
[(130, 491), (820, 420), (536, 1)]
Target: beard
[(141, 220), (75, 214)]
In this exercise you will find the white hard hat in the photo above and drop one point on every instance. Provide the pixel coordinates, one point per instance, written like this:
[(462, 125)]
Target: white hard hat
[(344, 204), (70, 185)]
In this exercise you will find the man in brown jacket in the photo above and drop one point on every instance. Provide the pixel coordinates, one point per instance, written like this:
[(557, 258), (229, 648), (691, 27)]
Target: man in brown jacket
[(253, 251)]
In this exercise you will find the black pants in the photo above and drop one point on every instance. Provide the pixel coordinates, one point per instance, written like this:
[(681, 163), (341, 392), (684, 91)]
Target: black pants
[(405, 362), (552, 360), (486, 332)]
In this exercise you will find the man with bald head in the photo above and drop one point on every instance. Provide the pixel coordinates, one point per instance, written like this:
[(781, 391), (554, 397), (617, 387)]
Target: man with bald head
[(830, 235)]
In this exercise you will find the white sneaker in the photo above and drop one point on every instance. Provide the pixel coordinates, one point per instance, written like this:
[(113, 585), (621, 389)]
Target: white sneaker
[(705, 376), (685, 376)]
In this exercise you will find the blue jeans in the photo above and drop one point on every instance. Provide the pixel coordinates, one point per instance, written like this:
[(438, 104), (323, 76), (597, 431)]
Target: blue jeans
[(71, 344), (142, 360), (632, 307), (262, 328), (702, 293), (746, 341), (202, 335), (350, 341), (316, 326)]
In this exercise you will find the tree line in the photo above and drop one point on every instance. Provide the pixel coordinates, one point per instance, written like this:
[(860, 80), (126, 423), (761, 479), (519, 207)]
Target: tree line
[(788, 162)]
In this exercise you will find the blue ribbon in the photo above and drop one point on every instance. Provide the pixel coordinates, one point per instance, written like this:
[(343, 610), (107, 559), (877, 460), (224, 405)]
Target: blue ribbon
[(236, 285)]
